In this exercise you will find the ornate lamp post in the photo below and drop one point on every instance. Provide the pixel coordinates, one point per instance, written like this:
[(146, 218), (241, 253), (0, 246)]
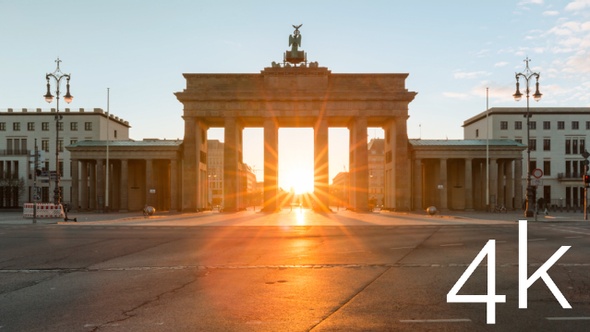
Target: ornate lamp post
[(57, 75), (527, 75)]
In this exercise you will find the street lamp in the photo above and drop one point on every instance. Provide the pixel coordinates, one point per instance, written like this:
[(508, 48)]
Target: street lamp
[(527, 75), (57, 75)]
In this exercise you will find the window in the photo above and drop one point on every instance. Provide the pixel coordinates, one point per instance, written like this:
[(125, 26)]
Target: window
[(2, 126), (547, 167), (561, 125), (60, 145), (115, 134), (575, 125), (88, 126), (518, 125), (16, 126), (546, 144), (533, 125), (546, 125), (73, 141), (31, 126), (74, 126), (587, 125), (519, 140), (533, 144), (575, 145), (503, 125), (45, 126), (45, 145), (60, 126)]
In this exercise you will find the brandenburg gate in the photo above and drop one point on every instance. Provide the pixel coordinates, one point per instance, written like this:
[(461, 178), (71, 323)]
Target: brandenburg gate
[(295, 93)]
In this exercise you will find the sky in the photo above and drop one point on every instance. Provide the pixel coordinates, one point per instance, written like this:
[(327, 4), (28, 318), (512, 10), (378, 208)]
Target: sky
[(452, 50)]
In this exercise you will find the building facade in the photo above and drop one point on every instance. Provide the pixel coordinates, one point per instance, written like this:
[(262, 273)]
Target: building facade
[(135, 174), (466, 174), (376, 172), (215, 173), (22, 129), (557, 137)]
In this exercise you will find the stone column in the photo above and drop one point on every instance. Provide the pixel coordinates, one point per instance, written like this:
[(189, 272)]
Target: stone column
[(124, 189), (359, 165), (173, 185), (443, 178), (469, 184), (92, 186), (418, 183), (149, 182), (493, 182), (501, 173), (190, 164), (401, 162), (509, 185), (518, 183), (75, 185), (100, 184), (321, 169), (271, 165), (232, 160), (84, 186)]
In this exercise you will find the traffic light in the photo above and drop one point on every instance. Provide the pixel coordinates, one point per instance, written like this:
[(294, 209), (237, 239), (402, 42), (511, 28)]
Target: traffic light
[(586, 179)]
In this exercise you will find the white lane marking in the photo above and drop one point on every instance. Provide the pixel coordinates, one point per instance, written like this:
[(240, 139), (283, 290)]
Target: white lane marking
[(447, 320), (573, 237)]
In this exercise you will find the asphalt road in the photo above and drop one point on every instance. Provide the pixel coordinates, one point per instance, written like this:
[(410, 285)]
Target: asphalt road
[(284, 272)]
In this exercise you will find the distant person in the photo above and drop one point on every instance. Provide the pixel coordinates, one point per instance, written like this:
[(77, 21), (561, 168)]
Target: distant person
[(148, 211)]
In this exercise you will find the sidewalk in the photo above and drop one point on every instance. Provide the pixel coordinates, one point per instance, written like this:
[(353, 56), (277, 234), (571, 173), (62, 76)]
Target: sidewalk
[(290, 218)]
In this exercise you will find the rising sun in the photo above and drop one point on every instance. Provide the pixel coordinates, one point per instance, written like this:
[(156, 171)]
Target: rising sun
[(299, 180)]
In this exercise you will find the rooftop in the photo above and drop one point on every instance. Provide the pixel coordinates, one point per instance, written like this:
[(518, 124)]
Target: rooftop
[(532, 110), (64, 111), (128, 143), (464, 142)]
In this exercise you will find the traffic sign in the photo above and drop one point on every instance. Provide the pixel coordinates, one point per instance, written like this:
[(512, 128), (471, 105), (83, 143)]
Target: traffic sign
[(537, 172)]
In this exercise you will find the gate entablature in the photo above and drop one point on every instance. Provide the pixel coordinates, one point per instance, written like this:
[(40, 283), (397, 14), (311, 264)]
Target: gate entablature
[(293, 93)]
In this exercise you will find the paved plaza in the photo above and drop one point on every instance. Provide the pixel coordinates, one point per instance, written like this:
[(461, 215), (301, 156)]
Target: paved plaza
[(295, 270)]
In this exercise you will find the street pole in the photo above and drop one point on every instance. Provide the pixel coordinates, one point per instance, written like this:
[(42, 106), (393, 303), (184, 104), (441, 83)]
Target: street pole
[(487, 154), (585, 181), (527, 75), (107, 162), (35, 183), (57, 75)]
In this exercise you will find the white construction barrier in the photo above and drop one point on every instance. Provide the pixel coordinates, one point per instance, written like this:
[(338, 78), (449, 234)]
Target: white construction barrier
[(44, 210)]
